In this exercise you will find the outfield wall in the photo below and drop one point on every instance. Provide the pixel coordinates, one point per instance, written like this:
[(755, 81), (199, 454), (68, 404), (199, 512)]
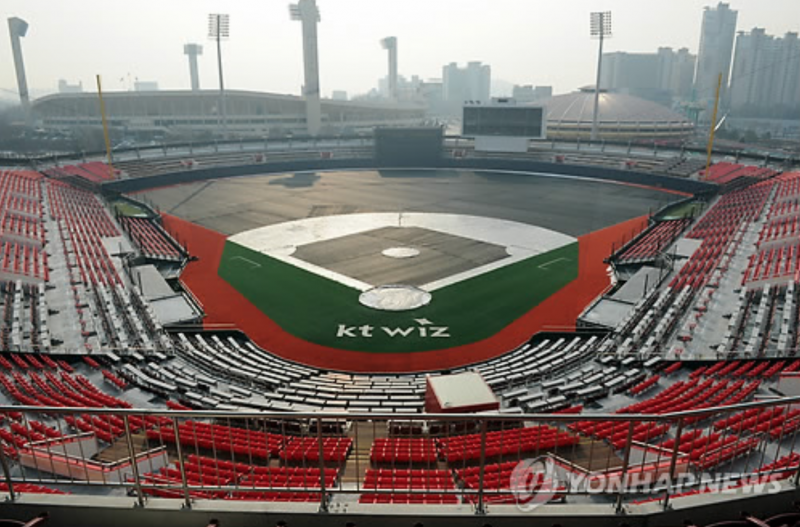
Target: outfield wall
[(521, 165)]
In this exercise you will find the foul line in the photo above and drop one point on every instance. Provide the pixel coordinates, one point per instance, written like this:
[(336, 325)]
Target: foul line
[(248, 260), (552, 262)]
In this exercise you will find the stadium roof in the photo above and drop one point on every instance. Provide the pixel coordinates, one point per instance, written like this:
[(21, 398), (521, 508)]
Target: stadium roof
[(621, 116), (247, 112), (214, 94), (614, 107)]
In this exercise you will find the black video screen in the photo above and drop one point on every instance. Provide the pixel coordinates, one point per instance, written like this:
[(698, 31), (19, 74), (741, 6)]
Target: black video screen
[(512, 121)]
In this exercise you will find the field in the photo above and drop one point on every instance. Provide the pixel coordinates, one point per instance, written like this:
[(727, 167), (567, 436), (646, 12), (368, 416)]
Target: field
[(314, 308), (309, 318)]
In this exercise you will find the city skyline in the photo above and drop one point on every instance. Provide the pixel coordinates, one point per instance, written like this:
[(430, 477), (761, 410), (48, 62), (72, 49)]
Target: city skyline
[(515, 38)]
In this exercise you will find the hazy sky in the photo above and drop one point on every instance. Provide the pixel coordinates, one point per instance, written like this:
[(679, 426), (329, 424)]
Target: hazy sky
[(524, 41)]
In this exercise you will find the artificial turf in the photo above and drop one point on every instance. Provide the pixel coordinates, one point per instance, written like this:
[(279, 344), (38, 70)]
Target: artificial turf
[(312, 307)]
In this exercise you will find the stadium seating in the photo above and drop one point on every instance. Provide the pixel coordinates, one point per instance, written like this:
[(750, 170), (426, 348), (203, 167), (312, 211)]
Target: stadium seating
[(518, 441), (497, 477), (680, 396), (717, 228), (307, 449), (290, 386), (725, 173), (22, 233), (153, 242), (298, 484), (50, 225), (401, 450), (97, 171), (220, 438), (401, 481), (93, 172), (652, 242)]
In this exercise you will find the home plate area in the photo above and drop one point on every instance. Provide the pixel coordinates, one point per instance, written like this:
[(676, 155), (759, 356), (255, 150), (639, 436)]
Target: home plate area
[(397, 282)]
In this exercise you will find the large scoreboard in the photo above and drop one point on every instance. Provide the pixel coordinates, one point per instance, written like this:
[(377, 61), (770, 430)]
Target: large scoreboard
[(409, 146), (504, 120)]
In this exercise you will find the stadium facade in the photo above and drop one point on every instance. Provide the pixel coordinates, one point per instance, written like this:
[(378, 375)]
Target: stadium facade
[(248, 113)]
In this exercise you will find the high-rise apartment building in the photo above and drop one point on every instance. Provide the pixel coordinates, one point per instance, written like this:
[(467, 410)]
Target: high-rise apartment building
[(716, 48), (472, 83), (659, 77), (766, 71)]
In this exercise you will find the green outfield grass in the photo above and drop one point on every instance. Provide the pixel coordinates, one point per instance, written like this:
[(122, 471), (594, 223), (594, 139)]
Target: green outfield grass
[(312, 307), (690, 209), (127, 208)]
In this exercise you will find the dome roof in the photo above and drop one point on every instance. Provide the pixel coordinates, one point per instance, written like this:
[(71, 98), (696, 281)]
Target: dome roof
[(614, 108), (621, 116)]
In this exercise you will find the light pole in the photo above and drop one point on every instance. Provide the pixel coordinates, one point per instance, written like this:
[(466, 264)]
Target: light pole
[(390, 45), (18, 28), (307, 13), (600, 29), (192, 51), (219, 29)]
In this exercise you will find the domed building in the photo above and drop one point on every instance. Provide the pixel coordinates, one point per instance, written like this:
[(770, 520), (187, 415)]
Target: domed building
[(622, 118)]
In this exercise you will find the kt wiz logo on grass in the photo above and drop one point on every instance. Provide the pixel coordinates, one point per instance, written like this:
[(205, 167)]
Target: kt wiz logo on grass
[(423, 328)]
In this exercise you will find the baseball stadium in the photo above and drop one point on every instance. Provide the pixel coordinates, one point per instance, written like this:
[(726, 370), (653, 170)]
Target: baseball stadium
[(406, 328), (302, 312)]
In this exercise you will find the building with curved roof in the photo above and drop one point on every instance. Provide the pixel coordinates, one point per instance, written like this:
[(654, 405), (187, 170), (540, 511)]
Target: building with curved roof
[(622, 118), (248, 113)]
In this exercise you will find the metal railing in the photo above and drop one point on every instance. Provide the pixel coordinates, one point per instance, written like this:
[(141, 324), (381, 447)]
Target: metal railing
[(288, 142), (323, 458)]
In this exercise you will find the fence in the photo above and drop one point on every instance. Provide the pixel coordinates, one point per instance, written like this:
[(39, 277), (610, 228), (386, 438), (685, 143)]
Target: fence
[(448, 459)]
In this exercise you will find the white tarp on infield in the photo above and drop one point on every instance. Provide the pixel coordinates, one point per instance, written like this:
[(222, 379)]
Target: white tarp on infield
[(520, 240)]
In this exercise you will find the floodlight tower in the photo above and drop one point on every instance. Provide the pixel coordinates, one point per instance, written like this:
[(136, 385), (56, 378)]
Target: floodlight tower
[(219, 29), (390, 44), (600, 29), (17, 28), (307, 13), (192, 51)]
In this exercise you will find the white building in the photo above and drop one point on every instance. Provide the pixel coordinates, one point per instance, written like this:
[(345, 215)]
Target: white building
[(529, 93), (145, 86), (472, 83), (716, 48), (66, 87), (658, 77), (766, 71)]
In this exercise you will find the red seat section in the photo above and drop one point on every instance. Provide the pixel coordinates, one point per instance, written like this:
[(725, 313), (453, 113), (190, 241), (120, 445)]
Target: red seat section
[(247, 482), (151, 239), (22, 233), (400, 482), (403, 450), (307, 449), (541, 438), (239, 441), (497, 477), (652, 242)]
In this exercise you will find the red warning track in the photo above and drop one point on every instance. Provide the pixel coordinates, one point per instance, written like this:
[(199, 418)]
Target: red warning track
[(225, 306)]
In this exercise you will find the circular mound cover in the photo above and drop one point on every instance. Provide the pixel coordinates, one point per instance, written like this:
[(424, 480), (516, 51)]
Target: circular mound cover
[(394, 298), (400, 252)]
